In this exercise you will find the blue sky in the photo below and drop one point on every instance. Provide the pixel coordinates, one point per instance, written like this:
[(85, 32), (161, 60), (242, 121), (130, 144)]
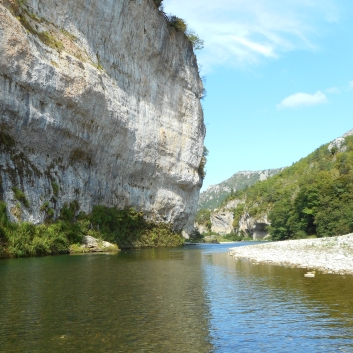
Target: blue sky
[(279, 78)]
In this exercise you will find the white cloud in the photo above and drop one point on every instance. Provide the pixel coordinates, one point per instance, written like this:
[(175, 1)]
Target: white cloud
[(242, 32), (351, 84), (333, 90), (303, 99)]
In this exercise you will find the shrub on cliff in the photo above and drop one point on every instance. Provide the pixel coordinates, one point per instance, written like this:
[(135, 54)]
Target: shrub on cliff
[(201, 170), (178, 24)]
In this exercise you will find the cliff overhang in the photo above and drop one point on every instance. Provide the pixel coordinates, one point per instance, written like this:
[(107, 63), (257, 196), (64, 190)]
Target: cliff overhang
[(99, 105)]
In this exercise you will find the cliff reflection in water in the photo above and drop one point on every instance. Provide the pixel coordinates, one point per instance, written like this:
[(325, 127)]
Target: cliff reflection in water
[(151, 300), (194, 299)]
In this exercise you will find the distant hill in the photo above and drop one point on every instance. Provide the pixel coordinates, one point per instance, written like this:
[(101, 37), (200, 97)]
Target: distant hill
[(313, 197), (214, 196)]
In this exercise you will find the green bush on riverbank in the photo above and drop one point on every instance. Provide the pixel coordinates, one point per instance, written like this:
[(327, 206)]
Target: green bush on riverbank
[(127, 228)]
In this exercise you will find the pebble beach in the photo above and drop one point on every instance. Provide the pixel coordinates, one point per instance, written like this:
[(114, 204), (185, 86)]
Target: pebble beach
[(328, 255)]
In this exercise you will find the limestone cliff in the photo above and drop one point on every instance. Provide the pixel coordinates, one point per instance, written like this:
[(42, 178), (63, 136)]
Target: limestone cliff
[(222, 222), (99, 104)]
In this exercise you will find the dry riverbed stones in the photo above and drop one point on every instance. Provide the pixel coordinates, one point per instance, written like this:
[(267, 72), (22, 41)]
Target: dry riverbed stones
[(329, 255)]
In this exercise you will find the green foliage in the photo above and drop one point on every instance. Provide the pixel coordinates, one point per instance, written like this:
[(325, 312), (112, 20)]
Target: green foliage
[(6, 141), (26, 239), (195, 40), (56, 188), (69, 211), (212, 199), (48, 39), (313, 197), (68, 34), (45, 206), (177, 23), (201, 170), (238, 212), (196, 237), (79, 155), (203, 217), (20, 196), (129, 229), (19, 9)]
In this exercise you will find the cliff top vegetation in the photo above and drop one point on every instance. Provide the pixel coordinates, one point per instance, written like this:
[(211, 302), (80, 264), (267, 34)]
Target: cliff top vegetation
[(178, 24)]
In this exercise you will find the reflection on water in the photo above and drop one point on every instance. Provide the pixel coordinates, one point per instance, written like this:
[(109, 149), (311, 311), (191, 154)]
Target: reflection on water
[(196, 299), (137, 301), (271, 308)]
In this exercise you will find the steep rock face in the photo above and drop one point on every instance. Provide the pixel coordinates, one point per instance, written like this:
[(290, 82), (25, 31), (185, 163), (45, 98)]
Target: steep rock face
[(222, 222), (255, 228), (99, 104)]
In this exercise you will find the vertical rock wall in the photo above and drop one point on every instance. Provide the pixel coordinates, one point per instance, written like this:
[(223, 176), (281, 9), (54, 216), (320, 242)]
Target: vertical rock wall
[(99, 104)]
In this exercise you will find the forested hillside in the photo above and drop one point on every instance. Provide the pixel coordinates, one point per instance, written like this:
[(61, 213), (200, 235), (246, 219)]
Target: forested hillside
[(214, 196), (313, 197)]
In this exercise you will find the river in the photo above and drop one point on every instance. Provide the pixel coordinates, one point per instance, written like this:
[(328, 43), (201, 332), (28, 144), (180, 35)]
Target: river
[(191, 299)]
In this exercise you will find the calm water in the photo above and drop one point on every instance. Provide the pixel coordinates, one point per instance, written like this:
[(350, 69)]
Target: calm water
[(196, 299)]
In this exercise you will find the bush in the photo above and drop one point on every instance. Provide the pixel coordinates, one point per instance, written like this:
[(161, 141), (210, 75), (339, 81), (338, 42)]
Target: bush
[(201, 170), (177, 23), (20, 196), (203, 217), (195, 40), (56, 189), (127, 228)]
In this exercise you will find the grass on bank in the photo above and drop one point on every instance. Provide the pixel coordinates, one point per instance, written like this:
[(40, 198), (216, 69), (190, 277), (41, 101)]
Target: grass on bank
[(126, 228), (212, 237)]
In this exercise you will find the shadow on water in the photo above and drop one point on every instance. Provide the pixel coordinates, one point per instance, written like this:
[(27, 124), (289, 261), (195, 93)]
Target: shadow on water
[(136, 301), (194, 299)]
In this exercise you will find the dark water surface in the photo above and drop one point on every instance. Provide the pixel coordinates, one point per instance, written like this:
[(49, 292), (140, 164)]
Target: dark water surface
[(195, 299)]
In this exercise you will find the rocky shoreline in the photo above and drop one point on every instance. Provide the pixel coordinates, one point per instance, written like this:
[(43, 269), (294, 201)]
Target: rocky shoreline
[(93, 245), (328, 255)]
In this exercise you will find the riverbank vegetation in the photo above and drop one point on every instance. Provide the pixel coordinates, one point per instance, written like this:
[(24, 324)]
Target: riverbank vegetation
[(313, 197), (212, 237), (127, 228)]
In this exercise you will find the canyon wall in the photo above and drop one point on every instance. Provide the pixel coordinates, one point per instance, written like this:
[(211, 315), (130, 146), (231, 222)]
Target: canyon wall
[(99, 104)]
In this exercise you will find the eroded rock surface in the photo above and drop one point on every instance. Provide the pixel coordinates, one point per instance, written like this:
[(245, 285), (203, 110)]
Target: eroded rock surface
[(99, 104)]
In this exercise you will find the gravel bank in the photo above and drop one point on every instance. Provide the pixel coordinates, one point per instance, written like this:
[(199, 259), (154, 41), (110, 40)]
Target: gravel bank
[(330, 255)]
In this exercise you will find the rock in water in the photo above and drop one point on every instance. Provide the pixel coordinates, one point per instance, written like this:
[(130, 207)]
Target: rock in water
[(91, 244), (99, 104)]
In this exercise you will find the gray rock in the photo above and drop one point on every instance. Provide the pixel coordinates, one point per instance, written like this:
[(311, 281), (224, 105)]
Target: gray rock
[(91, 244), (112, 118), (338, 144)]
